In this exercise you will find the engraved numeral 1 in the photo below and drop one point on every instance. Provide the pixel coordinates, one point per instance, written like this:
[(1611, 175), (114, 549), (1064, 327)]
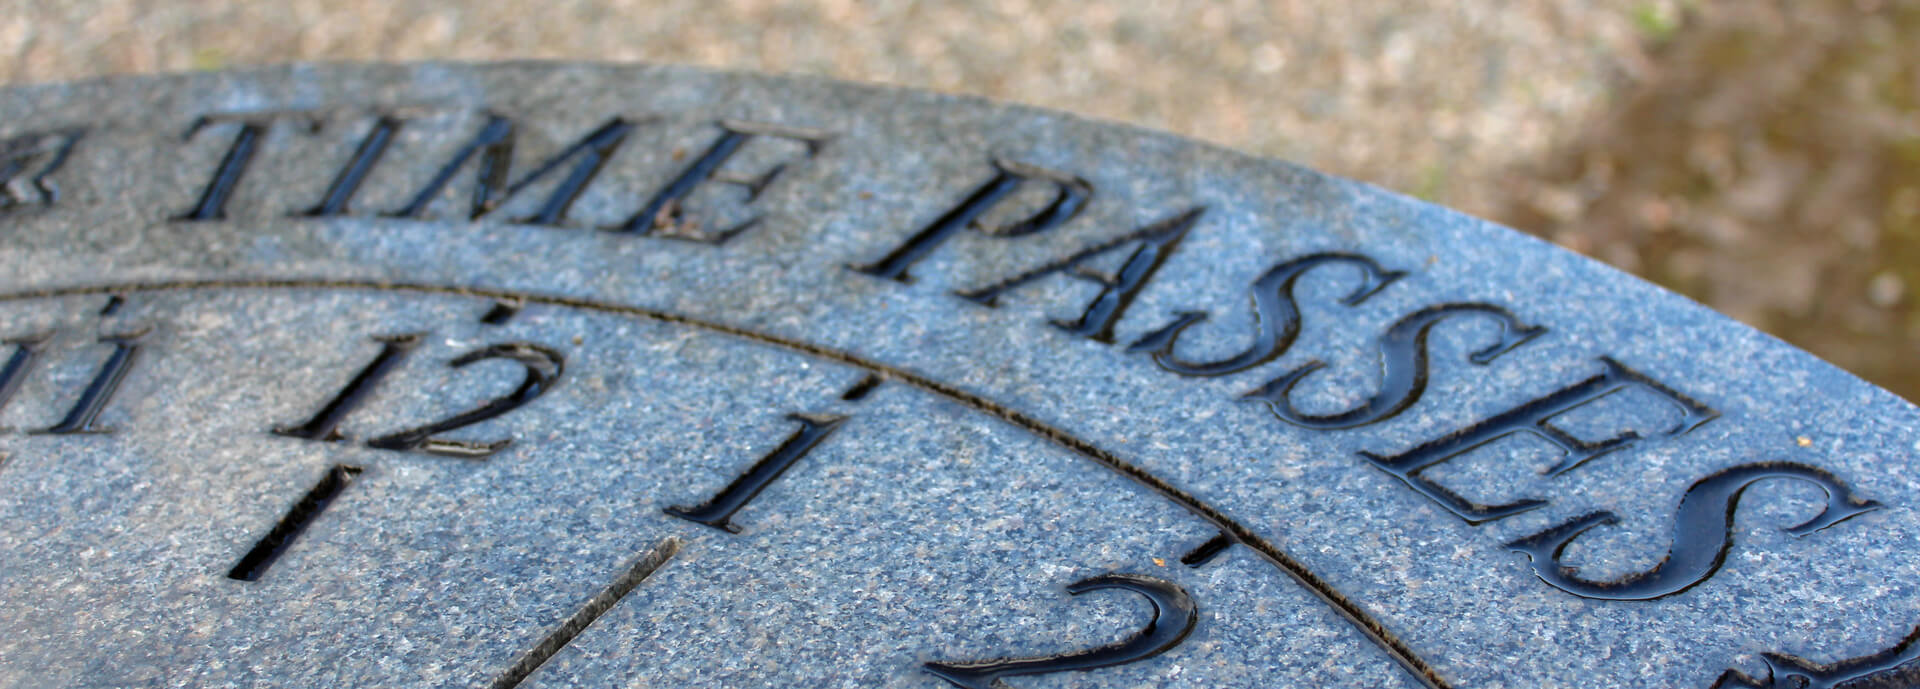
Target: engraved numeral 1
[(718, 511), (323, 425)]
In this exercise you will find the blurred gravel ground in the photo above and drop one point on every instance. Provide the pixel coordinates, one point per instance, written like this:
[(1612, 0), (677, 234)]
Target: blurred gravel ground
[(1756, 154), (1426, 97), (1768, 163)]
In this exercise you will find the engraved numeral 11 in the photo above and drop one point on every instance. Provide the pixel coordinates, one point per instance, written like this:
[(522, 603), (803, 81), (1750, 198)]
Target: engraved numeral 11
[(83, 416)]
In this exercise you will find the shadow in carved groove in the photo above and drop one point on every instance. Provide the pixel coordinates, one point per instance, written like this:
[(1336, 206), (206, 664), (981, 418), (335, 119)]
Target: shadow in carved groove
[(1231, 530), (1894, 668), (1276, 316), (1403, 357), (1174, 616), (1702, 533)]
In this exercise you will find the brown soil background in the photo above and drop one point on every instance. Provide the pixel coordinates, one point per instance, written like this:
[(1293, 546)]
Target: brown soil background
[(1762, 156)]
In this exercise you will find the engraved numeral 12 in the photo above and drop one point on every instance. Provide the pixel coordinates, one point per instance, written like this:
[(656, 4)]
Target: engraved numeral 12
[(543, 369)]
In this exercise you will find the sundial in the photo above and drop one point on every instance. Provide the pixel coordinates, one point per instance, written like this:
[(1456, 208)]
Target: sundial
[(591, 376)]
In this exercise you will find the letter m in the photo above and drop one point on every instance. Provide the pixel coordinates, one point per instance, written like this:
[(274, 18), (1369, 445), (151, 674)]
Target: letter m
[(492, 151)]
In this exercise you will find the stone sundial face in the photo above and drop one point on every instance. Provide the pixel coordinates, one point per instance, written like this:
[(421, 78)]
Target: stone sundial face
[(558, 376)]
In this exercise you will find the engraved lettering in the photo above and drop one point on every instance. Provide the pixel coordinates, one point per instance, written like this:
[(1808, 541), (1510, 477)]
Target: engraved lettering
[(1403, 356), (93, 400), (543, 368), (1535, 417), (1702, 533), (493, 147), (27, 163), (1157, 242), (666, 214), (718, 511), (1877, 671), (226, 178), (1174, 617), (1276, 315), (262, 555), (324, 424), (365, 157), (1071, 195)]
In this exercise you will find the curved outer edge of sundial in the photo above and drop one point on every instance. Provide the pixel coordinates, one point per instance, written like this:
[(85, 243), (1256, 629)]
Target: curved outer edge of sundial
[(1341, 213)]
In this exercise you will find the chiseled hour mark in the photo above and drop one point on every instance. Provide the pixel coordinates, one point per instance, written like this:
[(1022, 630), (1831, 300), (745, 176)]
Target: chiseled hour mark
[(860, 390), (643, 566), (257, 560), (1174, 616), (501, 312), (1205, 552)]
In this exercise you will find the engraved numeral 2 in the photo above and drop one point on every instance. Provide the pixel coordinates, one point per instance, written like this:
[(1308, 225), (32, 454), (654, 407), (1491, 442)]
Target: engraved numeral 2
[(1174, 616)]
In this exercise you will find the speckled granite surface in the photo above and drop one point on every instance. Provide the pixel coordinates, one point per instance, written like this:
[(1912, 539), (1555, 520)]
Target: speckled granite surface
[(942, 518)]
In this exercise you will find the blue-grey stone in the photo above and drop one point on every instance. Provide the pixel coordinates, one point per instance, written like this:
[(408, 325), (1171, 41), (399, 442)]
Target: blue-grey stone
[(969, 462)]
